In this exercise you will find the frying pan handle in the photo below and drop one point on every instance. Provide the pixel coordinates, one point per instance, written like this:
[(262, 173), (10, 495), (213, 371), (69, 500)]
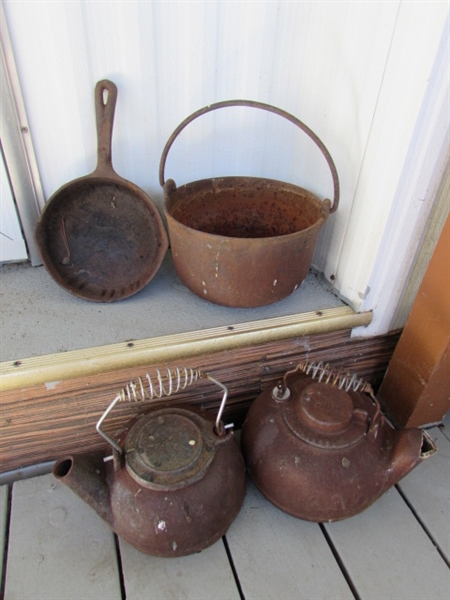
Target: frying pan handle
[(262, 106), (105, 106)]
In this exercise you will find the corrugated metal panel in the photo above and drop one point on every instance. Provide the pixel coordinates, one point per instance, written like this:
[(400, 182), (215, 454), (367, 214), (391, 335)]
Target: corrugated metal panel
[(12, 245), (323, 62)]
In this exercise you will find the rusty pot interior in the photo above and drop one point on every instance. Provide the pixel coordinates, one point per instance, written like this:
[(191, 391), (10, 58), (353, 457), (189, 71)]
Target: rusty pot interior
[(245, 207)]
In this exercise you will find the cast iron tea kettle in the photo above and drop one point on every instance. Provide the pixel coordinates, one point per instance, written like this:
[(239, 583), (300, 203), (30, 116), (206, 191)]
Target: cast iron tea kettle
[(319, 448), (176, 477)]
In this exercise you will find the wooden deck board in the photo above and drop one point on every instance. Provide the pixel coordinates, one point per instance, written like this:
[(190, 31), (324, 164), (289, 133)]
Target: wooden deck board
[(58, 547), (388, 555), (4, 491), (206, 575), (279, 557), (445, 429), (427, 490)]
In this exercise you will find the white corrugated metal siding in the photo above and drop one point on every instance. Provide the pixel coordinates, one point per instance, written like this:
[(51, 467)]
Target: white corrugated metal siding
[(325, 62)]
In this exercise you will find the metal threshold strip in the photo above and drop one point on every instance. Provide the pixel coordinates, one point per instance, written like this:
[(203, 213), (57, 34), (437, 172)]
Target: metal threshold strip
[(52, 368)]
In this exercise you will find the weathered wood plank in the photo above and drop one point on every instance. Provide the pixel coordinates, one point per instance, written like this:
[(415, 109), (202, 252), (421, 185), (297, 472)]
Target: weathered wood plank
[(427, 489), (206, 575), (277, 556), (446, 425), (388, 555), (40, 423), (58, 547)]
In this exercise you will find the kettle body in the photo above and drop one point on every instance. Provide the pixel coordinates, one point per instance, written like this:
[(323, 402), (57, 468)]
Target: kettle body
[(173, 485), (323, 453)]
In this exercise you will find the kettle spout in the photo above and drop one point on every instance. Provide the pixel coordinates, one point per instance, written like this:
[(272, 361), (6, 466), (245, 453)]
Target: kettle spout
[(85, 474), (413, 447), (428, 447)]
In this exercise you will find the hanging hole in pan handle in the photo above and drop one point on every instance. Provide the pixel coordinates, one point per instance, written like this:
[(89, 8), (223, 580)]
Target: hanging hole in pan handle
[(260, 105), (105, 106)]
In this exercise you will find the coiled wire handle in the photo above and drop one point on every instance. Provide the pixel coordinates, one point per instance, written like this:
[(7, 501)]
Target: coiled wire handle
[(324, 373), (166, 385), (344, 380)]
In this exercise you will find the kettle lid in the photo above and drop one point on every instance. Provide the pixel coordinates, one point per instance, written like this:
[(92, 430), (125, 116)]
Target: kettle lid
[(324, 416), (169, 448)]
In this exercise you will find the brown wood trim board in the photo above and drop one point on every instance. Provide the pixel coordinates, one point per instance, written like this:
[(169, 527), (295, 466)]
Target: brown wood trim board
[(416, 389)]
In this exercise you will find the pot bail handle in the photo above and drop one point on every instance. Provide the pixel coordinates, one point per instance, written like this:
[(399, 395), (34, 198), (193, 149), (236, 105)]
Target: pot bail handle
[(269, 108), (105, 106)]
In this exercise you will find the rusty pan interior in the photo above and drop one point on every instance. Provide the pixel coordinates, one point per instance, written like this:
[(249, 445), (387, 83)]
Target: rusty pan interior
[(101, 239), (245, 207), (100, 236)]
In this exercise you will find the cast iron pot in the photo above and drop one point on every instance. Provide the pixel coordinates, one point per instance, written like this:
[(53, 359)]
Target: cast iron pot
[(243, 241)]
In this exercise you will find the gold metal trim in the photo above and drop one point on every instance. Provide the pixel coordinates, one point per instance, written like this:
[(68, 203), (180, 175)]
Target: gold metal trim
[(102, 359)]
